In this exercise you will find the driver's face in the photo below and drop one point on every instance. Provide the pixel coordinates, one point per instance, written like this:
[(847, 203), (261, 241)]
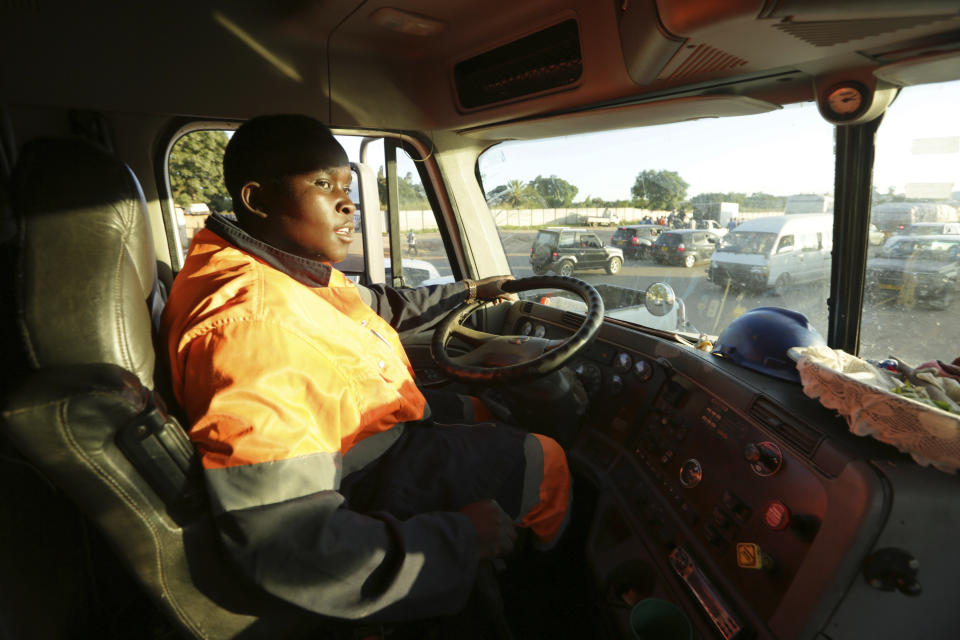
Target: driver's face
[(310, 214)]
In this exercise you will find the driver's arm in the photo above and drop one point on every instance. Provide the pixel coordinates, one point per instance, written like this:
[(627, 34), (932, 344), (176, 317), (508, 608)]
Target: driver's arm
[(412, 310)]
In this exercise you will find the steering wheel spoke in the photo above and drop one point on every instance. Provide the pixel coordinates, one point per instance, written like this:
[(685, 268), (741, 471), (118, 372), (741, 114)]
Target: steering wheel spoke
[(472, 337), (503, 351), (496, 358)]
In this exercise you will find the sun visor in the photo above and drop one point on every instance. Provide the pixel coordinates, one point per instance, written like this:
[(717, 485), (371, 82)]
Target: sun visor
[(634, 115), (939, 67)]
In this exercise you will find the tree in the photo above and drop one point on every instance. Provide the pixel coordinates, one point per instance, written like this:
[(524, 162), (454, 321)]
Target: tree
[(515, 194), (196, 170), (661, 190), (555, 192), (410, 192)]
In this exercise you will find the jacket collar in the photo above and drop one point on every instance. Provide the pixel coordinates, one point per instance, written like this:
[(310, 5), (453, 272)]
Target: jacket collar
[(312, 273)]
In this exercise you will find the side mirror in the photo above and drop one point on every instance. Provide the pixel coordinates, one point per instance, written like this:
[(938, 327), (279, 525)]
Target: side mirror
[(659, 298)]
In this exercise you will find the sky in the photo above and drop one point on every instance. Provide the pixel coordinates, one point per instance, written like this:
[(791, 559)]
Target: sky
[(784, 152)]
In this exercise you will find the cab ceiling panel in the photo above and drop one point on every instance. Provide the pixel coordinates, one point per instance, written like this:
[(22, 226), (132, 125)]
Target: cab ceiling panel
[(483, 62), (229, 60), (673, 43)]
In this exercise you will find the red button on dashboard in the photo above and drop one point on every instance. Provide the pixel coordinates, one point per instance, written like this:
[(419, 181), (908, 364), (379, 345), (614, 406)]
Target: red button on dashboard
[(776, 515)]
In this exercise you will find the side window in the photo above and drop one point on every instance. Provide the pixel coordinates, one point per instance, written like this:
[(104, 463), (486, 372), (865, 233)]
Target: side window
[(590, 240), (418, 225), (195, 173), (809, 242), (567, 240), (786, 244), (418, 239)]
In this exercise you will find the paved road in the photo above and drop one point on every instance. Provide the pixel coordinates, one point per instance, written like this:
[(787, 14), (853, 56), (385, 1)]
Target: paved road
[(914, 334)]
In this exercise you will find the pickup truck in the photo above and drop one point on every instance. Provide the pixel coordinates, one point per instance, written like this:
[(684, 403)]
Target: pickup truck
[(608, 218), (710, 225)]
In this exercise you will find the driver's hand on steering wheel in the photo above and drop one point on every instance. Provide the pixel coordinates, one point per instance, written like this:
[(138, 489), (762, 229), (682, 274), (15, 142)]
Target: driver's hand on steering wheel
[(489, 289), (496, 533)]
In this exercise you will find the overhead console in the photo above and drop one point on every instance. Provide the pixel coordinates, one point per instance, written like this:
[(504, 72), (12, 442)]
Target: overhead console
[(723, 491), (539, 63)]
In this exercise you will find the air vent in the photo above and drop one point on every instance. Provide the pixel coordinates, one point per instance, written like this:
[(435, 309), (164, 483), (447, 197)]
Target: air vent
[(544, 61), (829, 33), (526, 307), (802, 438), (571, 319), (700, 61)]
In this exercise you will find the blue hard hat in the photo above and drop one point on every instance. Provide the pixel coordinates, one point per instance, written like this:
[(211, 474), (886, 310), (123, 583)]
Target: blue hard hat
[(760, 338)]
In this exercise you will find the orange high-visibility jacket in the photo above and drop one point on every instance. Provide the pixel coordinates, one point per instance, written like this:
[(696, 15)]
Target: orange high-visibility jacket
[(294, 380), (290, 381)]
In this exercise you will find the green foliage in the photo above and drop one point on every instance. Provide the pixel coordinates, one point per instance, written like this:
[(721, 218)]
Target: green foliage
[(659, 190), (754, 202), (410, 192), (515, 194), (196, 170), (555, 192)]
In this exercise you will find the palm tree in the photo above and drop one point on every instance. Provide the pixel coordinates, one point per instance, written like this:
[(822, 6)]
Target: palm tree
[(515, 194)]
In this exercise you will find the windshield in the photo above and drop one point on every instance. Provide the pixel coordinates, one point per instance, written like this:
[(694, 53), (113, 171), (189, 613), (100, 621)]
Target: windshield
[(763, 184), (708, 175), (750, 242)]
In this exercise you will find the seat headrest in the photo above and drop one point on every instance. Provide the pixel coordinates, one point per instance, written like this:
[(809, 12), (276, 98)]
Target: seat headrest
[(86, 273)]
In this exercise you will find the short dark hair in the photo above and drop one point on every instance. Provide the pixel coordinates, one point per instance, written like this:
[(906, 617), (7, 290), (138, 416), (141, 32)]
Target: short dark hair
[(274, 146)]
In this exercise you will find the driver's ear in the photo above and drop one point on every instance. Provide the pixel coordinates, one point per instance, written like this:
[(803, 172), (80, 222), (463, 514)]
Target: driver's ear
[(252, 194)]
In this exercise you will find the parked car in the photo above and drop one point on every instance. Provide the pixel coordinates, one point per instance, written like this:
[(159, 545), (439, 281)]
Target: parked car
[(923, 269), (930, 228), (565, 250), (685, 246), (636, 239), (418, 273)]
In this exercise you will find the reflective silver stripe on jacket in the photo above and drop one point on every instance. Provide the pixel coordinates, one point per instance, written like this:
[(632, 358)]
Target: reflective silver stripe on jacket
[(532, 477), (256, 485)]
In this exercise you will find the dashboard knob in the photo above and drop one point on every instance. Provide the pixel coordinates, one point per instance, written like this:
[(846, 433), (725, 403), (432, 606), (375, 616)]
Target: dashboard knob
[(765, 458), (616, 384), (642, 370)]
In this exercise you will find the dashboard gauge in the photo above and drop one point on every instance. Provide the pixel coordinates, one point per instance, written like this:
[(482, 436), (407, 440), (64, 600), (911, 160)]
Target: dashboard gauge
[(540, 331), (642, 370), (526, 328), (691, 473), (622, 362), (590, 376)]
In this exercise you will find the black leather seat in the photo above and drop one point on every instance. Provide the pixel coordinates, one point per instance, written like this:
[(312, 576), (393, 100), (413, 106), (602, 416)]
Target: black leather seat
[(86, 415)]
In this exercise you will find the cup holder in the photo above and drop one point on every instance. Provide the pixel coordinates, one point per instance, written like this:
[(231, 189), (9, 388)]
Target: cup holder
[(656, 619)]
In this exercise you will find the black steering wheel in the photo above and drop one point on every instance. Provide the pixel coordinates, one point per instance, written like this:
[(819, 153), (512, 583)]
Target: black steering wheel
[(501, 358)]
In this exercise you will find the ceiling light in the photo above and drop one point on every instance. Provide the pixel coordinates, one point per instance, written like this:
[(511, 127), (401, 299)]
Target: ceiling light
[(406, 22)]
